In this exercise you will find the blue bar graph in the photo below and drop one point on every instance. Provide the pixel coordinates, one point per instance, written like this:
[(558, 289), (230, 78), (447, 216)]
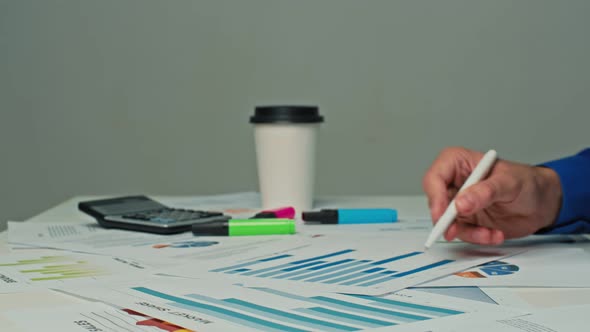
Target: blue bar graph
[(274, 313), (324, 268), (372, 300), (329, 270), (368, 310), (403, 274), (250, 263), (289, 268), (424, 268), (322, 314), (366, 275), (339, 274), (274, 258), (417, 308), (238, 271), (313, 268), (396, 258), (324, 256), (354, 276), (272, 268), (369, 277), (222, 313), (342, 316)]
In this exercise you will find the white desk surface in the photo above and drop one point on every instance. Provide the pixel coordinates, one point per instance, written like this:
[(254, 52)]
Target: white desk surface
[(67, 211), (409, 207)]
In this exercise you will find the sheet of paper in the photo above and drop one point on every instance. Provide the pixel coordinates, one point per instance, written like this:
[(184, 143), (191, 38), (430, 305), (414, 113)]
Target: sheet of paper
[(40, 299), (25, 271), (562, 319), (538, 298), (36, 298), (372, 264), (87, 235), (210, 305), (468, 293), (403, 225), (158, 250), (83, 318), (569, 268)]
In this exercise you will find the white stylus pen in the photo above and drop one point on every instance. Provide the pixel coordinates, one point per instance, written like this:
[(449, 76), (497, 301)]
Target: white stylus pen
[(479, 172)]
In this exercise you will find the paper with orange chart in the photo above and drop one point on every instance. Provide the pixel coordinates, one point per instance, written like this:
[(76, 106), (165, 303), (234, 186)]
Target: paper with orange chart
[(360, 264), (83, 318), (542, 267), (212, 305)]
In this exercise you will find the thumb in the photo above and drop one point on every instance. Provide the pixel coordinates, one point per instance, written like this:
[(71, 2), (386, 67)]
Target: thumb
[(485, 193)]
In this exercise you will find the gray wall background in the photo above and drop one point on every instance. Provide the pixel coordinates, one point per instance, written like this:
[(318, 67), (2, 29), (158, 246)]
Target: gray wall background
[(151, 96)]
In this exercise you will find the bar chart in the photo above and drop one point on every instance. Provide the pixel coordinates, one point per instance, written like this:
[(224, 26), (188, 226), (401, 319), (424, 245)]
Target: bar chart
[(47, 268), (21, 271), (276, 310), (343, 267)]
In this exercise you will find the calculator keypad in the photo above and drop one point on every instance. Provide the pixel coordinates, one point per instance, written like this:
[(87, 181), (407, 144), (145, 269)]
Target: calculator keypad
[(168, 215)]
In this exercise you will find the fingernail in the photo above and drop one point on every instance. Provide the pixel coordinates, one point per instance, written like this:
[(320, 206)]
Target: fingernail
[(465, 203)]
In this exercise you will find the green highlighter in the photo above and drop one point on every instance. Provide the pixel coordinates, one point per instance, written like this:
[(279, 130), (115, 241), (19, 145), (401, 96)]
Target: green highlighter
[(237, 227)]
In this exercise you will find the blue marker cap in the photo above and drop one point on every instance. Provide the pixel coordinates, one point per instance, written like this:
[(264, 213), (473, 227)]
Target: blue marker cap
[(351, 216)]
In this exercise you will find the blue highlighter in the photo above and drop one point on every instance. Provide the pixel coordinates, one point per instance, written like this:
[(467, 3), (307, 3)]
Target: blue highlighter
[(350, 216)]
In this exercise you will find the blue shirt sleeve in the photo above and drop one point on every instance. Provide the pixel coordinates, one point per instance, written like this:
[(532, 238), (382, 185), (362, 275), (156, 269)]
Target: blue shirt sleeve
[(574, 175)]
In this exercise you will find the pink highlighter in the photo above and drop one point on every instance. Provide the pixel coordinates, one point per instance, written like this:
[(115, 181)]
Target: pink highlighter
[(287, 212)]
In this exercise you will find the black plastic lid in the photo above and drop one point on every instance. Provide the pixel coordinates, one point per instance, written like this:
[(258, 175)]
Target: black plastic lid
[(265, 215), (211, 228), (322, 216), (286, 114)]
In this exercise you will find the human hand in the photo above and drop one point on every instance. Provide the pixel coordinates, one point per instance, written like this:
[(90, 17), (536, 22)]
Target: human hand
[(514, 200)]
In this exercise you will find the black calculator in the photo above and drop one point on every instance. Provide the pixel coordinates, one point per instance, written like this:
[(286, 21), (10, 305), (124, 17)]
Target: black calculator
[(141, 213)]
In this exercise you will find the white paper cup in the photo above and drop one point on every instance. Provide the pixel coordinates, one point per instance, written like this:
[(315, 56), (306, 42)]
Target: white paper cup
[(286, 139)]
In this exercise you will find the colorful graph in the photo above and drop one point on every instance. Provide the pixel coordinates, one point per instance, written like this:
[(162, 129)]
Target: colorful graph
[(322, 313), (330, 268), (490, 269), (156, 323), (56, 268)]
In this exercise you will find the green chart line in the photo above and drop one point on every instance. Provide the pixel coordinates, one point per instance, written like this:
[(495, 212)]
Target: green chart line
[(72, 276), (69, 270), (44, 259)]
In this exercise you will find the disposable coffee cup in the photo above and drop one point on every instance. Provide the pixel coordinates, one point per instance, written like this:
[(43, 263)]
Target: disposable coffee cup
[(286, 139)]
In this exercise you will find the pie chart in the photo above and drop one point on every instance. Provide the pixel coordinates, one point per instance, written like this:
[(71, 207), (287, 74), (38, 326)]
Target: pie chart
[(490, 269)]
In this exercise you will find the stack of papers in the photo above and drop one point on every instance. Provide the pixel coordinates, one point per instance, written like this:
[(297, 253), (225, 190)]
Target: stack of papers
[(321, 279)]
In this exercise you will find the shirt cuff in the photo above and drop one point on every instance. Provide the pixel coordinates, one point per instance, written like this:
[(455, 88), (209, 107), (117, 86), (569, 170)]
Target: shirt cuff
[(574, 175)]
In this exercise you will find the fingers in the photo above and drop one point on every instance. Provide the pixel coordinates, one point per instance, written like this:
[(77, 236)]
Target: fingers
[(478, 234), (475, 234), (497, 188), (451, 232), (437, 193), (438, 178)]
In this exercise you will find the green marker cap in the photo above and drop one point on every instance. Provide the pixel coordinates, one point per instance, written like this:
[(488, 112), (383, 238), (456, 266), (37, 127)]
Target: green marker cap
[(237, 227)]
